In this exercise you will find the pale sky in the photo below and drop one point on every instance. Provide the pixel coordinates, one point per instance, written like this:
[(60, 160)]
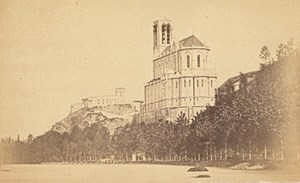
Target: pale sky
[(56, 52)]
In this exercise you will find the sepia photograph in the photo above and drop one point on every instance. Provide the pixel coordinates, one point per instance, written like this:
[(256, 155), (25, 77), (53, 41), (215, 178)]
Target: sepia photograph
[(156, 91)]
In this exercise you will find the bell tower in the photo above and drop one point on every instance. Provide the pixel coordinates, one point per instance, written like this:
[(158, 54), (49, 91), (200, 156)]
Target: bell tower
[(162, 35)]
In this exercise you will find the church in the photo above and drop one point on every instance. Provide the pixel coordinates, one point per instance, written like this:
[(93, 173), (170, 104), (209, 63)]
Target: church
[(184, 78)]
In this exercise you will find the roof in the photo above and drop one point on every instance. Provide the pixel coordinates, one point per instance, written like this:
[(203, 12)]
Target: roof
[(235, 79), (187, 42), (120, 88), (101, 96), (191, 41), (153, 80)]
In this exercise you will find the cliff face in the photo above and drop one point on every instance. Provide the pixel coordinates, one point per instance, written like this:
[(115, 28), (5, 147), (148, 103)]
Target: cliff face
[(110, 116)]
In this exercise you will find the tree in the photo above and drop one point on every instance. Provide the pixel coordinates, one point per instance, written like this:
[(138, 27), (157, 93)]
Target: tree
[(285, 50), (243, 81), (265, 55), (181, 132), (202, 132), (282, 52), (29, 138)]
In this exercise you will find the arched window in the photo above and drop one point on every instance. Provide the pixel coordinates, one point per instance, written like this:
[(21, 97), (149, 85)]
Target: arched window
[(163, 27), (211, 83), (189, 83), (202, 83), (168, 33), (188, 61), (184, 83), (198, 61), (197, 83)]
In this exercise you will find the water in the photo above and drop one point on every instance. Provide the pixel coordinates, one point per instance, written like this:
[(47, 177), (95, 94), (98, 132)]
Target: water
[(134, 173)]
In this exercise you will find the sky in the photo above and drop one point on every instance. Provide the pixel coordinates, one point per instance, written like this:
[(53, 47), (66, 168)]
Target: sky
[(56, 52)]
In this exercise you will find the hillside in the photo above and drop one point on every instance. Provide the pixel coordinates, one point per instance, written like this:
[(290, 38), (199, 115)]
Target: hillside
[(110, 116)]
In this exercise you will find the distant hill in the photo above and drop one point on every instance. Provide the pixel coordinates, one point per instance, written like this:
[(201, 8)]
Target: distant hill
[(110, 116)]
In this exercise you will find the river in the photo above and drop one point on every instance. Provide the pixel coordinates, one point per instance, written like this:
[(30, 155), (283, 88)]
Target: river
[(134, 173)]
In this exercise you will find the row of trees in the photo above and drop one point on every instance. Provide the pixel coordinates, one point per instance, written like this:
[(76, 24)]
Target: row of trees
[(79, 145), (13, 151)]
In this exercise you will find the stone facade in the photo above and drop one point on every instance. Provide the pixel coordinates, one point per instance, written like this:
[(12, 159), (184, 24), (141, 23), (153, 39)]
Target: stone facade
[(184, 79), (104, 100)]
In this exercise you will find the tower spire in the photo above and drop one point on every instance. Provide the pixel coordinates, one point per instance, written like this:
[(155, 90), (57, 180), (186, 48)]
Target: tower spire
[(162, 35)]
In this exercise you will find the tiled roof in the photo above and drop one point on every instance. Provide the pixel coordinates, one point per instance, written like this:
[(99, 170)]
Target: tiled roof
[(191, 41), (187, 42)]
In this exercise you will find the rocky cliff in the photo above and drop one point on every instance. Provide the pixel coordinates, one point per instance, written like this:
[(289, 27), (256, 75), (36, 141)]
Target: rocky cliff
[(111, 116)]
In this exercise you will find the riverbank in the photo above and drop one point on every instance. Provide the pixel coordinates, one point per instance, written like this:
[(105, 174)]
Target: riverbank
[(231, 164)]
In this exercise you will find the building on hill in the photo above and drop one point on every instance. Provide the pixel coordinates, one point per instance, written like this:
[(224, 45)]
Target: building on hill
[(100, 101), (234, 83), (118, 98), (184, 79), (107, 103)]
